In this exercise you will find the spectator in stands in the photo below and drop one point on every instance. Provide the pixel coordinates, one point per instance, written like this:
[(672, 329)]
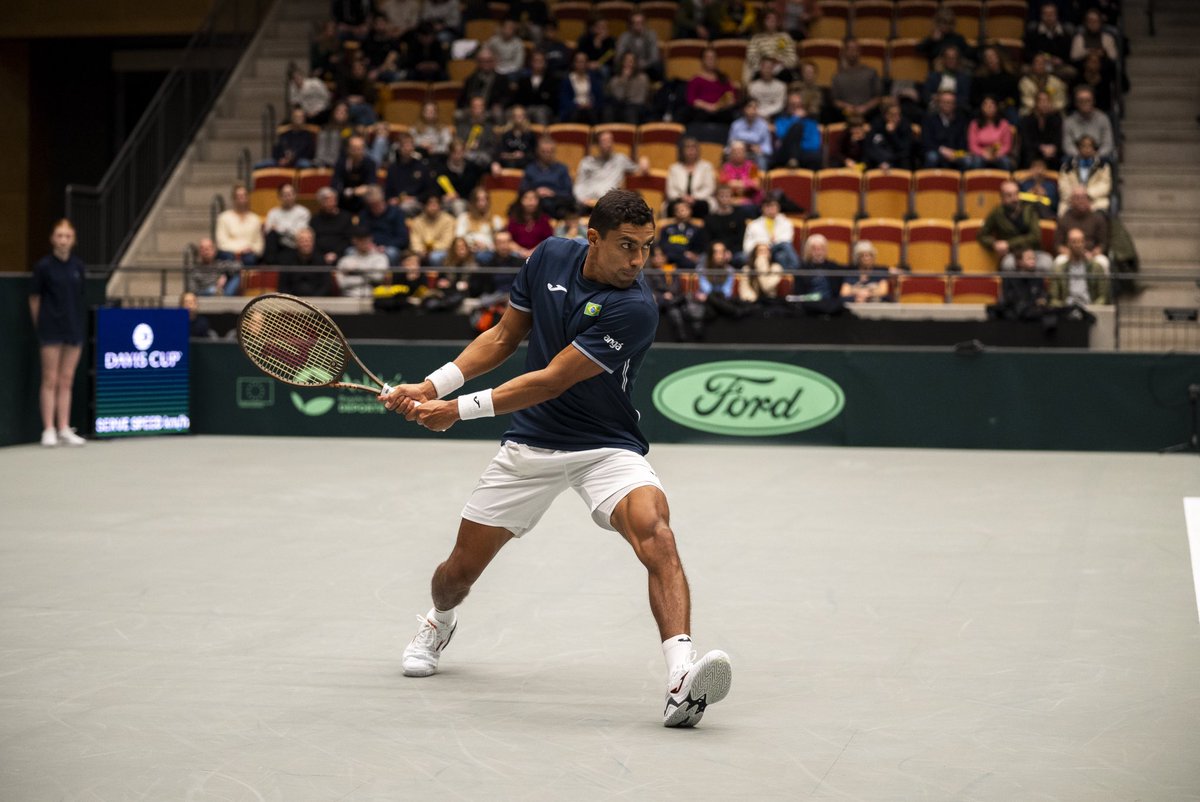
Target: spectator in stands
[(571, 226), (429, 136), (711, 98), (282, 223), (362, 268), (598, 46), (944, 136), (990, 137), (431, 232), (528, 225), (691, 20), (581, 93), (681, 240), (1092, 38), (211, 274), (949, 76), (850, 148), (890, 141), (1094, 225), (868, 282), (477, 226), (1048, 37), (1040, 191), (381, 50), (942, 37), (198, 325), (742, 175), (641, 42), (325, 50), (603, 170), (477, 134), (460, 256), (1010, 226), (517, 141), (809, 87), (379, 143), (357, 89), (486, 83), (331, 226), (627, 94), (1040, 79), (717, 284), (993, 78), (1078, 278), (760, 276), (691, 178), (537, 90), (446, 16), (767, 90), (457, 178), (676, 305), (353, 174), (549, 178), (856, 89), (409, 178), (532, 16), (798, 135), (386, 223), (1096, 76), (316, 283), (508, 48), (352, 18), (726, 221), (402, 15), (775, 230), (425, 56), (506, 260), (1041, 133), (296, 145), (1024, 296), (795, 16), (558, 54), (1087, 121), (731, 19), (239, 230), (331, 140), (755, 133), (773, 43), (310, 94), (823, 279)]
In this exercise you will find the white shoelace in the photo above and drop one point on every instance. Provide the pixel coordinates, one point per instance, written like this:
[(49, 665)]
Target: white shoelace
[(428, 633)]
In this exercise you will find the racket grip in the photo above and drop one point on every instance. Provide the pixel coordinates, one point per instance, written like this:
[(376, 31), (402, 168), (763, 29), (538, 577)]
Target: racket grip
[(387, 388)]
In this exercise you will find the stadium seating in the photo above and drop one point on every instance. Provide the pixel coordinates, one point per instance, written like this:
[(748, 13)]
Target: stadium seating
[(918, 289), (974, 289), (445, 95), (825, 54), (659, 143), (873, 20), (981, 192), (572, 19), (839, 232), (660, 18), (887, 194), (929, 245), (308, 181), (1049, 232), (967, 16), (839, 192), (731, 56), (1005, 19), (971, 256), (503, 189), (904, 62), (681, 57), (832, 22), (873, 53), (936, 193), (887, 235), (264, 187), (652, 186), (914, 18), (616, 13), (797, 185), (402, 101), (624, 136), (573, 141)]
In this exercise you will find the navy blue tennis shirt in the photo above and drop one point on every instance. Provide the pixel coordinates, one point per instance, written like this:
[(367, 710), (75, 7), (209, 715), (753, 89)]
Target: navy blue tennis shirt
[(611, 326)]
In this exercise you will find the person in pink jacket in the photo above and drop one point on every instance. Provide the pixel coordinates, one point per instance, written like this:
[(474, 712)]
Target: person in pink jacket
[(990, 137)]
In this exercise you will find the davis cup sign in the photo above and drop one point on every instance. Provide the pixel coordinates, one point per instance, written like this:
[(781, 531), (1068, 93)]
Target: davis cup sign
[(748, 398)]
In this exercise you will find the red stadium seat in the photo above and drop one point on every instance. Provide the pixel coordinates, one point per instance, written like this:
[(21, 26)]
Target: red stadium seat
[(832, 21), (797, 185), (905, 63), (1049, 232), (825, 54), (873, 20), (659, 142), (974, 289), (839, 232), (918, 289), (929, 245), (660, 18), (914, 18), (681, 58), (503, 189), (1005, 19), (652, 187), (967, 16), (731, 57), (572, 19), (971, 256), (402, 101), (445, 95), (617, 14), (839, 192), (573, 140), (981, 192), (264, 187), (308, 181), (936, 193), (624, 136), (873, 53), (888, 194), (887, 235)]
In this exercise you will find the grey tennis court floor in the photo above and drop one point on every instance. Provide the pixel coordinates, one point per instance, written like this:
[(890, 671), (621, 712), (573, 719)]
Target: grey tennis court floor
[(222, 619)]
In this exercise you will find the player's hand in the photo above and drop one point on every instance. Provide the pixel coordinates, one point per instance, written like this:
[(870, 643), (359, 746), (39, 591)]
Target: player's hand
[(436, 416), (404, 398)]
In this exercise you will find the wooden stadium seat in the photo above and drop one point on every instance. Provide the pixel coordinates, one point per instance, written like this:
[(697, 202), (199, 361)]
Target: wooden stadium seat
[(967, 16), (887, 194), (460, 69), (264, 187), (905, 63), (731, 57), (1005, 19), (402, 101), (826, 54), (480, 29), (887, 235), (617, 14), (970, 256), (258, 282), (873, 53), (652, 187), (308, 181), (660, 18), (839, 232), (936, 193), (445, 95), (918, 289), (929, 245), (839, 192), (659, 142), (981, 192), (1049, 233), (681, 58), (914, 18), (873, 19), (574, 141), (572, 19), (503, 189), (829, 134), (797, 185), (974, 289), (713, 153), (624, 136), (832, 21)]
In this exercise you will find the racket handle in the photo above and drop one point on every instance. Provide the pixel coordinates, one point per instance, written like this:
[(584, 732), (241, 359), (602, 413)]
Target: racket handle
[(387, 388)]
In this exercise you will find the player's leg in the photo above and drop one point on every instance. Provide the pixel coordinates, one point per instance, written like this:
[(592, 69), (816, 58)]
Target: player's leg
[(48, 391), (66, 381), (476, 546)]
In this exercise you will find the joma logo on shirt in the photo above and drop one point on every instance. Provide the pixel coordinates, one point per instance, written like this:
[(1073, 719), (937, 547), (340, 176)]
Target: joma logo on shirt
[(613, 344)]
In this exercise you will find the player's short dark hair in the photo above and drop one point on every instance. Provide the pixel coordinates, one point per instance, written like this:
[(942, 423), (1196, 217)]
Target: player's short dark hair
[(616, 208)]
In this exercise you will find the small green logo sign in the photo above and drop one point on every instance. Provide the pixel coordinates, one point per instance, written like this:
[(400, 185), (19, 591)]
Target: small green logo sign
[(254, 392), (748, 398), (592, 310), (313, 406)]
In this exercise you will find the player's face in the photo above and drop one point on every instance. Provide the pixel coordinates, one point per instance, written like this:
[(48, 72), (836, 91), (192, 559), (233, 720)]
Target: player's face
[(622, 254)]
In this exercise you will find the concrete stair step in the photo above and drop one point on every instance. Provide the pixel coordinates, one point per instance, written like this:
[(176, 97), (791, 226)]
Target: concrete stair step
[(208, 172), (236, 128), (1141, 130), (1165, 154), (229, 150), (160, 259), (293, 49), (271, 67), (1163, 249), (200, 196), (185, 218), (251, 108), (1154, 111), (167, 240), (1181, 91), (1164, 294), (1187, 270), (297, 30), (1146, 197)]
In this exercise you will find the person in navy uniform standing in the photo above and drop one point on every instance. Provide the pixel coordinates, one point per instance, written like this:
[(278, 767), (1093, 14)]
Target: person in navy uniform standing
[(590, 318), (56, 304)]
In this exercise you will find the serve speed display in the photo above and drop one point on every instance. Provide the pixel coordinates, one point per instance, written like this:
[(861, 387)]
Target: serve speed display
[(141, 372)]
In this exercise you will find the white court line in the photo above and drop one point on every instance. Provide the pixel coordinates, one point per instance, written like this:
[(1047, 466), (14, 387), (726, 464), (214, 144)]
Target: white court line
[(1191, 514)]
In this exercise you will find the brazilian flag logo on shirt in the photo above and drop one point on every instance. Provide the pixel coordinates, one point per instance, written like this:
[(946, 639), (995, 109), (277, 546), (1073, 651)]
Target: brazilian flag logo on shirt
[(592, 310)]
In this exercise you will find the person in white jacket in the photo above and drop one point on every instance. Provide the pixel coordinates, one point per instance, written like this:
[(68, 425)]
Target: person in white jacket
[(692, 178), (776, 230)]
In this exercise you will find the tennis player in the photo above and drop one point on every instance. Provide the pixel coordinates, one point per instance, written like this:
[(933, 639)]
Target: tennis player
[(590, 318)]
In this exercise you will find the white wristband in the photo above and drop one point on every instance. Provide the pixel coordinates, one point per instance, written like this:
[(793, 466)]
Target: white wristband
[(446, 379), (476, 405)]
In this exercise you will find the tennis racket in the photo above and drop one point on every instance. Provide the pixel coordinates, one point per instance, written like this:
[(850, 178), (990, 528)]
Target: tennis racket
[(295, 342)]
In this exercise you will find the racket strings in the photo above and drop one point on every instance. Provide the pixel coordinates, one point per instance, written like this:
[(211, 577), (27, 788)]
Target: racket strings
[(292, 342)]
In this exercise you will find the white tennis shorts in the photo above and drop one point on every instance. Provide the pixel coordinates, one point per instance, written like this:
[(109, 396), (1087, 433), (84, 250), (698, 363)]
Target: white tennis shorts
[(521, 482)]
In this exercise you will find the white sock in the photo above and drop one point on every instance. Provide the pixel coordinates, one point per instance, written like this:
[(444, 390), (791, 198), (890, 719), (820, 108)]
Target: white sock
[(442, 618), (678, 650)]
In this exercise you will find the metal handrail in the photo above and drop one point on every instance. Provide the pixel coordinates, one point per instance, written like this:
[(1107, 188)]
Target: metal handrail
[(268, 129), (215, 207)]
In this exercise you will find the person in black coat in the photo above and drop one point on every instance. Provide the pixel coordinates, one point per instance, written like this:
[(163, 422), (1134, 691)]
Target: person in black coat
[(537, 90), (890, 140), (331, 227), (944, 135), (306, 283)]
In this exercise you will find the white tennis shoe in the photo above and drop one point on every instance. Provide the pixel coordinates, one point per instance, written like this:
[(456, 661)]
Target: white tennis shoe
[(693, 686), (49, 438), (68, 437), (421, 655)]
